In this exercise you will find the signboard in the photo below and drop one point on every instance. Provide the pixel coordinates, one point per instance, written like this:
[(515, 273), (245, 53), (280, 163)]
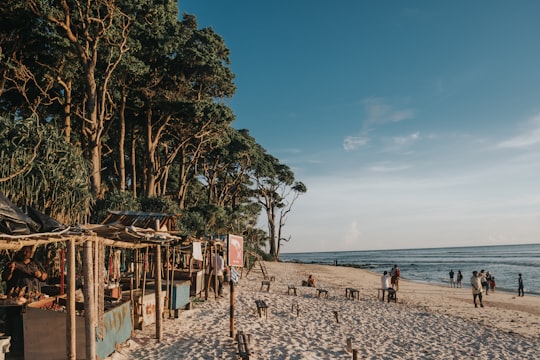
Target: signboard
[(235, 250), (235, 276)]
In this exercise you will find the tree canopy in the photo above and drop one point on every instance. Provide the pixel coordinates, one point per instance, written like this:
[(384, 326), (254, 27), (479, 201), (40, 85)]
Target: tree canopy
[(121, 105)]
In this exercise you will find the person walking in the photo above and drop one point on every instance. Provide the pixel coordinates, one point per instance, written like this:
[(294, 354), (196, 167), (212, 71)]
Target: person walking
[(476, 284), (520, 286)]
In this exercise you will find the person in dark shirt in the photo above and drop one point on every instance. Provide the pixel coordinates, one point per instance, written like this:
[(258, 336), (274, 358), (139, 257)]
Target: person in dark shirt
[(23, 274)]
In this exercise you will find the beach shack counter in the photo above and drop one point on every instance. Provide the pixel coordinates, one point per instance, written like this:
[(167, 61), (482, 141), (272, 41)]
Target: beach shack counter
[(44, 325)]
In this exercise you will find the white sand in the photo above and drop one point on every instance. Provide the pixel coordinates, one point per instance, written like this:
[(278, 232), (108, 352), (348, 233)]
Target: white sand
[(427, 322)]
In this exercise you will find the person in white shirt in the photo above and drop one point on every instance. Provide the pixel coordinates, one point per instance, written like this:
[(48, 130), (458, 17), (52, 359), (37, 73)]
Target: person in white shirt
[(476, 284), (385, 283), (219, 267)]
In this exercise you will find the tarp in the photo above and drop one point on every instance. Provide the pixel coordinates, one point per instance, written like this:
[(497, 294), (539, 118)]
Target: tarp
[(16, 221)]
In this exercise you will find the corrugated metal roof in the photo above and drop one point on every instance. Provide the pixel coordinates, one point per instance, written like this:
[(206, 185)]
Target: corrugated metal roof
[(145, 220)]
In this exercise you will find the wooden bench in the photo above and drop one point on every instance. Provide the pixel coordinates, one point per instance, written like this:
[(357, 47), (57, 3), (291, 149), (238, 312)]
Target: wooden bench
[(293, 288), (262, 308), (391, 296), (322, 292), (352, 293), (267, 284), (243, 349)]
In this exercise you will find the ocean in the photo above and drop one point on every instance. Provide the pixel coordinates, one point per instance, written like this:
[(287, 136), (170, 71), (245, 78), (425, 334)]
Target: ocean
[(433, 265)]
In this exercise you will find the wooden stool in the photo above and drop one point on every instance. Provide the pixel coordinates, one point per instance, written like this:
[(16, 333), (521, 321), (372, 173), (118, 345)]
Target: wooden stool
[(392, 295), (322, 292), (243, 349), (267, 284), (261, 308), (293, 288), (353, 293)]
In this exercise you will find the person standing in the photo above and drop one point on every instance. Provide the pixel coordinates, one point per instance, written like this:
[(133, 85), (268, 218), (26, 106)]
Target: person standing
[(520, 286), (483, 280), (451, 274), (459, 278), (385, 284), (476, 283), (395, 274), (487, 282), (219, 266)]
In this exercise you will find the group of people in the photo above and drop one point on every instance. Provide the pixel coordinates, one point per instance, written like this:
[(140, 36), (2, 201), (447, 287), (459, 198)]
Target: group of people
[(459, 279), (481, 282), (390, 280)]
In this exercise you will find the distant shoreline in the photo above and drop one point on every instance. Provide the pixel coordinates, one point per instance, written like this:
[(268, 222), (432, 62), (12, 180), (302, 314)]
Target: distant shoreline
[(442, 284)]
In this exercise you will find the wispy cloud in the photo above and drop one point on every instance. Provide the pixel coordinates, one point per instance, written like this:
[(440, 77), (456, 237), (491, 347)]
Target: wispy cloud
[(354, 142), (387, 168), (406, 140), (378, 112), (527, 138)]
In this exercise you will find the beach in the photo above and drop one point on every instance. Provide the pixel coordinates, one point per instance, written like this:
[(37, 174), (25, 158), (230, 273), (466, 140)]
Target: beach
[(426, 322)]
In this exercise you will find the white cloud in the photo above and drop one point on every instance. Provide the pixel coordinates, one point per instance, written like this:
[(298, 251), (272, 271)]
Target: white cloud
[(527, 138), (406, 140), (354, 142)]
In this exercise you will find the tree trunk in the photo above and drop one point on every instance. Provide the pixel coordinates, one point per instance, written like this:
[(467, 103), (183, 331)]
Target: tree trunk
[(121, 141), (151, 160), (133, 162)]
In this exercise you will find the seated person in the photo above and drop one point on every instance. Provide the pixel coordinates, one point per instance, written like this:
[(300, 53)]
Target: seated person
[(310, 281)]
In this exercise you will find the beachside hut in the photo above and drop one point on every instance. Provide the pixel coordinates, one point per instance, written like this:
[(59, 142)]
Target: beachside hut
[(105, 324)]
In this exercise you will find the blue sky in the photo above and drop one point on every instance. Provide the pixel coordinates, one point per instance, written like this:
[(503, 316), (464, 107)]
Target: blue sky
[(412, 123)]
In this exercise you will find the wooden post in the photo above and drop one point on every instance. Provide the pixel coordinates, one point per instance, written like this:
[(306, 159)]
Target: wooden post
[(159, 304), (137, 269), (349, 345), (71, 327), (173, 265), (168, 289), (355, 354), (62, 265), (231, 311), (89, 301)]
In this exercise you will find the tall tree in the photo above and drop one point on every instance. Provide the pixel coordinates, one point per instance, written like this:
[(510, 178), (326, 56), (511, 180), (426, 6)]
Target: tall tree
[(276, 191), (98, 32)]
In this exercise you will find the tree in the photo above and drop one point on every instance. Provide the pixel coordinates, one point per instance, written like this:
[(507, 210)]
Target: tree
[(98, 33), (276, 191)]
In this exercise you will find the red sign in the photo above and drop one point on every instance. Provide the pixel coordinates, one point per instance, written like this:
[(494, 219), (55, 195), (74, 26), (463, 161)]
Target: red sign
[(235, 250)]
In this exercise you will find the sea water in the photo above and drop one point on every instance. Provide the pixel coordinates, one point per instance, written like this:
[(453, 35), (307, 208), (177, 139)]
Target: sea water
[(433, 265)]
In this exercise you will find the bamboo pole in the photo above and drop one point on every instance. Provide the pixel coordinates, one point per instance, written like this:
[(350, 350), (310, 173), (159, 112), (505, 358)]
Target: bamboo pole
[(159, 304), (71, 327), (168, 270), (145, 262), (89, 303)]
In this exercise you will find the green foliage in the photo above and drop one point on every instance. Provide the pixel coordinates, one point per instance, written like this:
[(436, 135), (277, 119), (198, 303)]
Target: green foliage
[(40, 169), (159, 204), (113, 201)]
